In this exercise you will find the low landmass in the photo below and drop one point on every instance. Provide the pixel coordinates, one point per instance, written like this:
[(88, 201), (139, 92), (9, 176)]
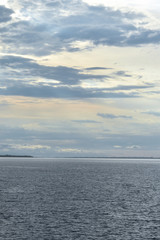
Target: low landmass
[(22, 156)]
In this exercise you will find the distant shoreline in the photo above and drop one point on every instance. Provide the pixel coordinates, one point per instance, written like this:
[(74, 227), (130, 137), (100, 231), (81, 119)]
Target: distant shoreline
[(24, 156), (29, 156), (116, 157)]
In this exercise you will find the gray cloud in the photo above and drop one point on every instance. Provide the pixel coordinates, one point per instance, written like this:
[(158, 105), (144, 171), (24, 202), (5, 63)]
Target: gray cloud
[(85, 121), (20, 76), (112, 116), (123, 74), (49, 30), (5, 14), (144, 37), (60, 92), (97, 68), (27, 67), (131, 87), (157, 114)]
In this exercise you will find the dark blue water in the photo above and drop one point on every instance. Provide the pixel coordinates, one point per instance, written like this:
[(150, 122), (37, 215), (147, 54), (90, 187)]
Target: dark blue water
[(79, 199)]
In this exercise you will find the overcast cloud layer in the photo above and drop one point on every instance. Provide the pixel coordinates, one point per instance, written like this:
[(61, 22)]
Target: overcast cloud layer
[(79, 79)]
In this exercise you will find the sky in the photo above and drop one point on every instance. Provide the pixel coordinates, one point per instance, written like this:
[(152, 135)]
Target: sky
[(80, 78)]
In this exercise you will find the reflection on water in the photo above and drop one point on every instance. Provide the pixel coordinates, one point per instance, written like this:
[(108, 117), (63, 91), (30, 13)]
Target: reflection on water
[(79, 199)]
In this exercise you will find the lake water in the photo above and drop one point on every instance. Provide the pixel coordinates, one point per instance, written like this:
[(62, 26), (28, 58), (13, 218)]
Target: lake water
[(79, 199)]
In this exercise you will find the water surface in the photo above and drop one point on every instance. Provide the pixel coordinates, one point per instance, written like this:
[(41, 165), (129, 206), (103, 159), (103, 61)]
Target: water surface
[(53, 199)]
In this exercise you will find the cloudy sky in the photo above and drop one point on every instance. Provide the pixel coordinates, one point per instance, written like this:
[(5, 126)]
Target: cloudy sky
[(80, 78)]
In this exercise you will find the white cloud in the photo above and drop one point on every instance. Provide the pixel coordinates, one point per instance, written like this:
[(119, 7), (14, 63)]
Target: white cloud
[(69, 150), (33, 147), (117, 146), (134, 147)]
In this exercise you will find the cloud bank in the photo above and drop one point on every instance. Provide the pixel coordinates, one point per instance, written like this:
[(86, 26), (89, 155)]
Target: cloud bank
[(43, 28)]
